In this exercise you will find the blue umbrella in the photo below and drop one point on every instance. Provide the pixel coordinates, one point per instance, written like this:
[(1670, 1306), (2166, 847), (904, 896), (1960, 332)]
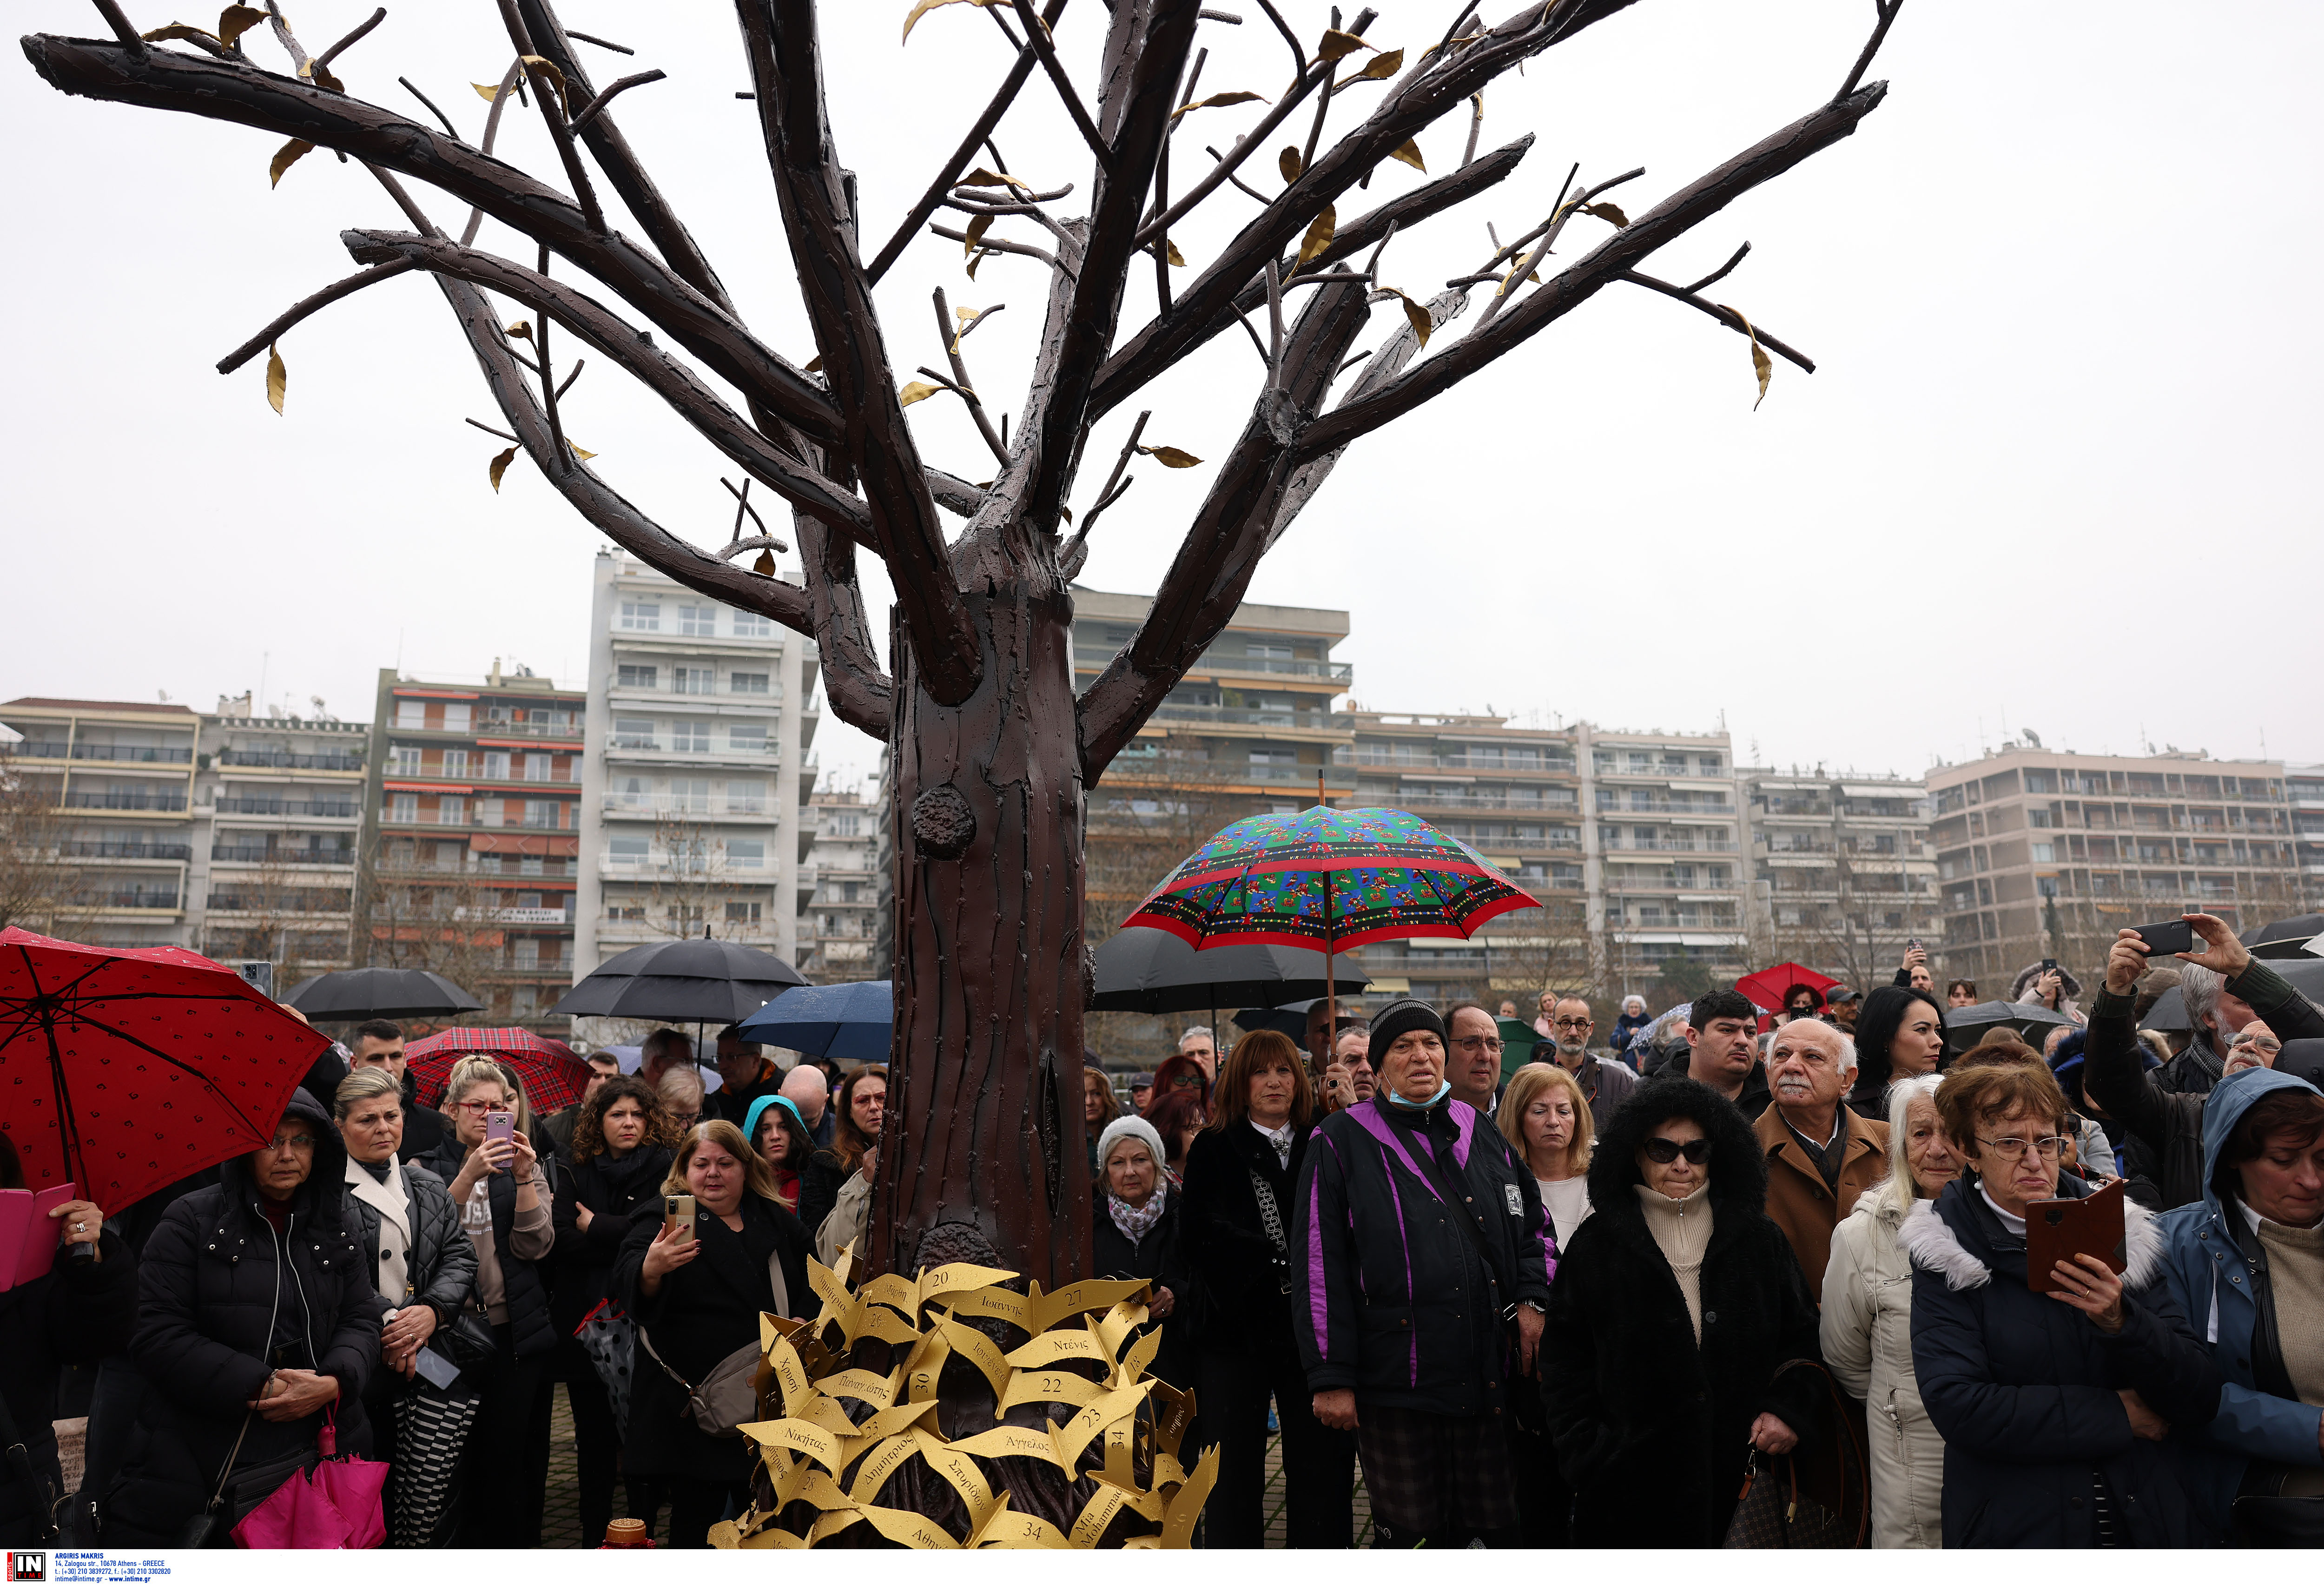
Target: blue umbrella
[(851, 1023)]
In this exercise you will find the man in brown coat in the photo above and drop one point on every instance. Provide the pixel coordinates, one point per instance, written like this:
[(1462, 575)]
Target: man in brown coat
[(1820, 1156)]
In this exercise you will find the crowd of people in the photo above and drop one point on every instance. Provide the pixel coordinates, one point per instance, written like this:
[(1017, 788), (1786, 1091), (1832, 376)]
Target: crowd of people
[(1547, 1292)]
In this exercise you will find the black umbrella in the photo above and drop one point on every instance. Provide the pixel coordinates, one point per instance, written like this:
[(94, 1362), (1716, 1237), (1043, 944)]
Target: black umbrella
[(2286, 938), (1143, 970), (1284, 1020), (2305, 976), (347, 995), (695, 980), (1966, 1026), (2168, 1013)]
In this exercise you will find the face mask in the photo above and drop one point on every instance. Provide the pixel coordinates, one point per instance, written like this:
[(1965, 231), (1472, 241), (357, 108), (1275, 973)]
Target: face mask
[(1443, 1090)]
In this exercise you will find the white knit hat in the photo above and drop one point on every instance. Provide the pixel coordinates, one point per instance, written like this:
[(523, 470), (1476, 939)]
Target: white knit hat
[(1129, 1128)]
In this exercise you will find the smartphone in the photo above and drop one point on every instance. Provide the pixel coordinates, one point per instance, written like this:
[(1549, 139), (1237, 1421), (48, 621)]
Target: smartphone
[(1913, 944), (678, 1211), (2171, 935), (2049, 965), (434, 1369), (500, 1125)]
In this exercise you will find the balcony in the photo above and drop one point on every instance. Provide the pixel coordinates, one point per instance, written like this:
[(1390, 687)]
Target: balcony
[(1221, 716), (281, 855), (126, 800), (1248, 665), (1465, 762), (1609, 810), (279, 759), (133, 897), (121, 754), (290, 900), (304, 809), (1413, 798), (57, 749), (657, 806), (1667, 844), (128, 849)]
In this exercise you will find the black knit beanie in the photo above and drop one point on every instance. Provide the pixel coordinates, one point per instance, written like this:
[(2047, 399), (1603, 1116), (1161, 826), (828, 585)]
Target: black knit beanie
[(1398, 1018)]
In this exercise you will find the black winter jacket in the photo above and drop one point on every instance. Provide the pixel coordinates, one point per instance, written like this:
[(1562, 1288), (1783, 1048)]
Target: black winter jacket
[(1651, 1430), (1158, 1258), (1388, 1295), (706, 1309), (1239, 1306), (211, 1277), (617, 1193), (78, 1313), (442, 1267), (2024, 1389), (424, 1128), (523, 1282), (820, 1181)]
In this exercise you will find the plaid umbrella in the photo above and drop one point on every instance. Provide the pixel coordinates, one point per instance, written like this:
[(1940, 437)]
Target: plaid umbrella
[(553, 1077)]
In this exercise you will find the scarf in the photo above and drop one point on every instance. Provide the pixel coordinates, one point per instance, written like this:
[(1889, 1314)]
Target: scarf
[(393, 1200), (1135, 1221), (1281, 1139)]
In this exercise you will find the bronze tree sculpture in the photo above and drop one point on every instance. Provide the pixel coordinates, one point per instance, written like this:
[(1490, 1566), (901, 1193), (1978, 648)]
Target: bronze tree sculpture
[(994, 753)]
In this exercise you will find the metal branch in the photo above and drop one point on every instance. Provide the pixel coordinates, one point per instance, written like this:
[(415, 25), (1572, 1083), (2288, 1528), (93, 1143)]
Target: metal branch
[(424, 99), (488, 429), (553, 113), (591, 111), (600, 43), (1243, 148), (323, 62), (1724, 315), (1298, 52), (1718, 274), (997, 246), (947, 331), (1887, 10), (118, 21), (1037, 36), (307, 306), (1232, 177), (567, 384)]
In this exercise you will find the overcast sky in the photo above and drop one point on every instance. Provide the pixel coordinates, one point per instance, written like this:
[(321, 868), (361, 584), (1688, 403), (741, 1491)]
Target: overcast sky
[(2047, 474)]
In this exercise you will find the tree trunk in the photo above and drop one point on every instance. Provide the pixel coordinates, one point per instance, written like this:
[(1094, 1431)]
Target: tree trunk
[(982, 1158)]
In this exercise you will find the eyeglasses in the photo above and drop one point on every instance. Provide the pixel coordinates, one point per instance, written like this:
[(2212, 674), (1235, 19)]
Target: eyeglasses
[(2256, 1042), (292, 1142), (473, 1108), (1571, 1024), (1474, 1043), (2048, 1148), (1663, 1152)]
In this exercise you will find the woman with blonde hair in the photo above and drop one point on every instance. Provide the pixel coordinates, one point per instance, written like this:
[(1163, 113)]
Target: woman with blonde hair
[(1545, 1119), (695, 1289), (1867, 1325)]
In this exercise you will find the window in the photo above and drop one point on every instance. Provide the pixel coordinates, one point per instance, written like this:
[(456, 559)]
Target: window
[(488, 811), (629, 791), (529, 866), (740, 740), (750, 624), (626, 847), (407, 761), (844, 825), (411, 715), (689, 796), (455, 762), (633, 732), (625, 911), (455, 718), (746, 798), (849, 889), (699, 621), (692, 679), (403, 808), (691, 737), (641, 616), (540, 813), (451, 811), (537, 767), (746, 854), (496, 765), (637, 676), (1259, 651), (742, 913), (2045, 852), (746, 682)]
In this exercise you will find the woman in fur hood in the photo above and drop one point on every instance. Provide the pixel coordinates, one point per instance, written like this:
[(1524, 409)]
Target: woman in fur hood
[(2066, 1417)]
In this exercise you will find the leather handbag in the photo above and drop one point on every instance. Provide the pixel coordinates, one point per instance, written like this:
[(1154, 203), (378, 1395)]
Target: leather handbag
[(468, 1342), (1815, 1496), (2280, 1506), (727, 1398)]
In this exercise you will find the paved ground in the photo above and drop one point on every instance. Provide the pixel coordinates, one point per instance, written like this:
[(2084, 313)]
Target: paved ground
[(561, 1518)]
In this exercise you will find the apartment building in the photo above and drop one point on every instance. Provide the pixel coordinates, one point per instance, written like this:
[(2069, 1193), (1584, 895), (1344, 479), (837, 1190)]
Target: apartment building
[(839, 926), (2046, 853), (119, 849), (1844, 877), (472, 804), (1667, 883), (699, 718), (2303, 785)]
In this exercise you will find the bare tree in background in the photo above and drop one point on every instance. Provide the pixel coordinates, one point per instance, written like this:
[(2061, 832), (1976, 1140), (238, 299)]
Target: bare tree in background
[(42, 888), (415, 915), (270, 913), (993, 752)]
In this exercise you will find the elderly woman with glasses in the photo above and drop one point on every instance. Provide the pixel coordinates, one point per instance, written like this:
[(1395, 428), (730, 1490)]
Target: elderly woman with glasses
[(1675, 1322), (2053, 1401)]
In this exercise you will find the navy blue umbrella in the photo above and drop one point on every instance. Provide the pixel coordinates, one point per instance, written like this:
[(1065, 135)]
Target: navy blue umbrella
[(849, 1023)]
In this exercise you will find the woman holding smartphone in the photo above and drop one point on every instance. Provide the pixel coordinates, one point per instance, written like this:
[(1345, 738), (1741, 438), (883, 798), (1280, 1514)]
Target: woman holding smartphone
[(496, 1181), (695, 1284)]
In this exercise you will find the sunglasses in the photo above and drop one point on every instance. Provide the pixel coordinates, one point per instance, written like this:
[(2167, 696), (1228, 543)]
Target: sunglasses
[(1663, 1152)]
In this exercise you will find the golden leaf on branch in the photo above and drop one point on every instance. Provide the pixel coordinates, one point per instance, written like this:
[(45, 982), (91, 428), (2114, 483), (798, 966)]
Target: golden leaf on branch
[(1170, 456), (487, 92), (1319, 236), (815, 365), (522, 330), (1378, 69), (235, 20), (547, 68), (977, 227), (1612, 214), (1760, 365), (1175, 257), (322, 76), (1232, 97), (1410, 154), (1417, 315), (978, 259), (180, 29), (278, 379), (1335, 44), (918, 391), (499, 466), (925, 7), (765, 566), (579, 453), (981, 177), (285, 157), (1289, 162)]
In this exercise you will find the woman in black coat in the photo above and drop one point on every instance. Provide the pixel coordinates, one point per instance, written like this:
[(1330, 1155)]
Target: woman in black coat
[(1134, 1236), (1661, 1370), (254, 1291), (1240, 1278), (74, 1314), (620, 1153), (696, 1300), (861, 1104), (2059, 1411)]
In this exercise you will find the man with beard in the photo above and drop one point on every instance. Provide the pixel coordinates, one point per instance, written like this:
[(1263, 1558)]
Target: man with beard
[(1604, 1085)]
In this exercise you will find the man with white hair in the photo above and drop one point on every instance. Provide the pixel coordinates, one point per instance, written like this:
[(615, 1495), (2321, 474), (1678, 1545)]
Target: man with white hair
[(2214, 1013), (1199, 1044), (1820, 1156)]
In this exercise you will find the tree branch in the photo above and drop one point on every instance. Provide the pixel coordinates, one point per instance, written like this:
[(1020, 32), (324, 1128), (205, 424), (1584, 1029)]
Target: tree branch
[(1725, 316), (596, 106), (818, 219), (1037, 39), (1582, 281), (1887, 10), (307, 306), (861, 694), (1244, 146)]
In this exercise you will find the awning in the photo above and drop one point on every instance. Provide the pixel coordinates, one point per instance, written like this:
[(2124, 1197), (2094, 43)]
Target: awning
[(535, 745), (539, 843), (432, 694), (1388, 986), (426, 787)]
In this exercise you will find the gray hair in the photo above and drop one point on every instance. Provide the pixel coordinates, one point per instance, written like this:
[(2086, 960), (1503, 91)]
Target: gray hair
[(681, 1090), (1847, 1046), (1897, 1190), (658, 1041), (2199, 989), (1202, 1029)]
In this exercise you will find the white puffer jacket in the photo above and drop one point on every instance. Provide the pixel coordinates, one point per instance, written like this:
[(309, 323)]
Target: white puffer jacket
[(1867, 1343)]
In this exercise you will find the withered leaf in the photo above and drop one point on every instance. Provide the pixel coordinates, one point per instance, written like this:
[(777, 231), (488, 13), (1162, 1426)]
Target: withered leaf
[(1289, 163), (1609, 213), (1065, 512), (547, 68), (179, 30), (925, 7), (522, 330), (981, 256), (579, 454), (237, 19), (487, 92), (1760, 363), (1335, 44), (981, 177), (286, 157), (977, 227), (322, 76), (278, 379), (815, 365), (1170, 456), (1377, 69), (1319, 236), (1410, 154), (1175, 257), (499, 466), (765, 566), (1417, 315), (1214, 101), (918, 391)]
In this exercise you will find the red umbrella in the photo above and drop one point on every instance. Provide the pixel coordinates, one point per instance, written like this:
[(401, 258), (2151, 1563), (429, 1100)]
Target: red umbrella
[(126, 1070), (553, 1077), (1768, 987)]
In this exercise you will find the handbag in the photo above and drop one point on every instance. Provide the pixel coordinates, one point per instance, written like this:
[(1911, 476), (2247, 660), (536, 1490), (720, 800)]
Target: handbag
[(1816, 1495), (232, 1501), (728, 1398), (468, 1342), (605, 1335), (2265, 1514), (36, 1482)]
